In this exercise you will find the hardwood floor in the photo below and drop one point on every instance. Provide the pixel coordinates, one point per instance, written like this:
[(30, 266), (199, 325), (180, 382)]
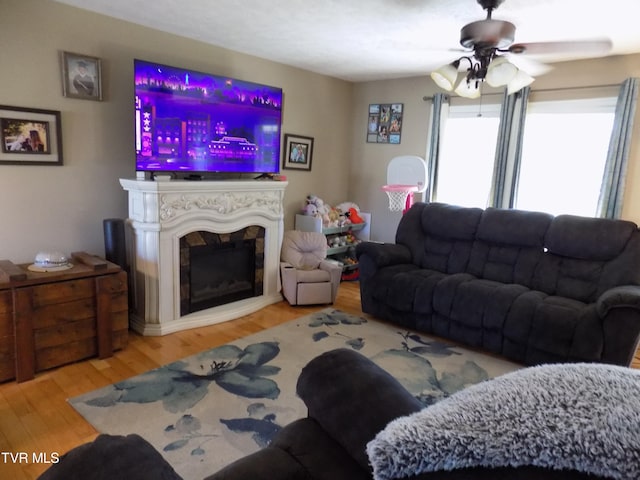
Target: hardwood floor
[(36, 419)]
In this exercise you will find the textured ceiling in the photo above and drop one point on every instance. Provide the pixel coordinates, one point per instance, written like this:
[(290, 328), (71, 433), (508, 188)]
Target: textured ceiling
[(361, 40)]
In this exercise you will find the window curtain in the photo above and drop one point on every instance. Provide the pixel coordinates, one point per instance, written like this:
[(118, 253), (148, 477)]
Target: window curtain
[(439, 109), (615, 170), (509, 149)]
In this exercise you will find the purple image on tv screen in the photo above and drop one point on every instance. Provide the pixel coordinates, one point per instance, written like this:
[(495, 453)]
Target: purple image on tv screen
[(193, 122)]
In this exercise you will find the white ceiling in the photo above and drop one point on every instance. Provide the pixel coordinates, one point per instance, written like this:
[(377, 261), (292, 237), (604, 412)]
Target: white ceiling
[(360, 40)]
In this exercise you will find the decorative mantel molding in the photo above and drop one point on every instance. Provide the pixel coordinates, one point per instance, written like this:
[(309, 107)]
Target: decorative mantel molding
[(162, 212), (224, 203)]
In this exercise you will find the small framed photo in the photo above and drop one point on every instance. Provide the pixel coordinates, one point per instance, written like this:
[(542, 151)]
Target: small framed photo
[(30, 136), (81, 76), (297, 152)]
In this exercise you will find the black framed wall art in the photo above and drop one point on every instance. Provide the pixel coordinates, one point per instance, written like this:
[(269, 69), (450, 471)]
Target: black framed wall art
[(30, 136), (384, 123)]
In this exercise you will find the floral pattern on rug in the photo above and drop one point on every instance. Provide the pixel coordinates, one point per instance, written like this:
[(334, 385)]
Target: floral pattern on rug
[(182, 384), (209, 409)]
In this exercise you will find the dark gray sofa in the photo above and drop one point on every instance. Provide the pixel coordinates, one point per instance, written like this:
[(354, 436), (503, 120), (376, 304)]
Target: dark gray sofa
[(349, 398), (526, 285)]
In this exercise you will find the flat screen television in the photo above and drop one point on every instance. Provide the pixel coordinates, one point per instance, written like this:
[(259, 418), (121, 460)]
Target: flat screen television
[(194, 122)]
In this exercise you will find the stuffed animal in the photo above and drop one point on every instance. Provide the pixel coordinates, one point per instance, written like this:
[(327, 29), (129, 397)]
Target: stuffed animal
[(354, 217), (345, 206), (333, 217), (315, 206), (312, 206), (310, 209)]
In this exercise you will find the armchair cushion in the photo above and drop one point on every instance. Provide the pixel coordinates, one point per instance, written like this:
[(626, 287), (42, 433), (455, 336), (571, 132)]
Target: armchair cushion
[(304, 250), (312, 276)]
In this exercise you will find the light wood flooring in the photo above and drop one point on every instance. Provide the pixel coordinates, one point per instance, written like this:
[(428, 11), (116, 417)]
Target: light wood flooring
[(35, 417)]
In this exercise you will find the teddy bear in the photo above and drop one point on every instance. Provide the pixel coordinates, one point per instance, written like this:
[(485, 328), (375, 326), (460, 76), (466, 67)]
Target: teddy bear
[(333, 217)]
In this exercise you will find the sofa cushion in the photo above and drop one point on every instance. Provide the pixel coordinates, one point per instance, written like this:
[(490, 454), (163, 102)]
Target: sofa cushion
[(585, 279), (569, 277), (514, 227), (384, 281), (587, 256), (450, 221), (439, 236), (528, 326), (541, 328), (478, 312), (588, 238), (413, 290), (509, 245)]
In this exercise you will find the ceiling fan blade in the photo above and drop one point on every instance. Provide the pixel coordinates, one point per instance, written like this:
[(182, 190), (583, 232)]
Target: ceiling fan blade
[(593, 46), (529, 65)]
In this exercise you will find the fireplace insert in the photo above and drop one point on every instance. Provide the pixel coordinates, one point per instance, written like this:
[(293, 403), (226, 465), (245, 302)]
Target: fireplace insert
[(219, 269)]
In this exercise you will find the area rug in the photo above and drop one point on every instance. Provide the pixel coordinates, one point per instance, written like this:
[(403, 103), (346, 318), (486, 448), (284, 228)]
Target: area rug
[(214, 407)]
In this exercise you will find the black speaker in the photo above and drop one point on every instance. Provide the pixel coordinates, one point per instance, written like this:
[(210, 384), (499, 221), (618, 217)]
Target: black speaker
[(114, 242)]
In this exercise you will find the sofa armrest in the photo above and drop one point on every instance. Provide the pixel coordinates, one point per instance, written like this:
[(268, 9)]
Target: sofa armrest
[(626, 296), (109, 457), (352, 399), (383, 254), (619, 309)]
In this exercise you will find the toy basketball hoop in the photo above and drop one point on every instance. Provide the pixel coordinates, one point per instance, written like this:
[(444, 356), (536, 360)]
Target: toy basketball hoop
[(400, 196), (406, 175)]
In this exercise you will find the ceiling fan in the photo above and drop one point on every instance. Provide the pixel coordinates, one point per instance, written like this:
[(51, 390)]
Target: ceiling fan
[(490, 42)]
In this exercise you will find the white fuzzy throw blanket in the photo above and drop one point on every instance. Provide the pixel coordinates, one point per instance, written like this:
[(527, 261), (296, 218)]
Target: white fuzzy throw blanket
[(583, 417)]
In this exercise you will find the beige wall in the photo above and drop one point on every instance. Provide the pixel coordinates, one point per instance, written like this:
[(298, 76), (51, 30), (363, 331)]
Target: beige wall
[(63, 207), (369, 161)]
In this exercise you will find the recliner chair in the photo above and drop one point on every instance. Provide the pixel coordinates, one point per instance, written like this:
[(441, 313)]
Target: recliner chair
[(307, 277)]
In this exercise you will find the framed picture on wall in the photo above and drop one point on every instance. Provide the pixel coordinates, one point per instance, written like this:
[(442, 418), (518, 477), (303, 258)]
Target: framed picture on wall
[(30, 136), (81, 76), (384, 123), (298, 151)]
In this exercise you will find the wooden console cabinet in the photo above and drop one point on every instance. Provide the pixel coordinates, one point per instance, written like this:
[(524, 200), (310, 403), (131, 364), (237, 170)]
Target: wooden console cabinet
[(50, 319)]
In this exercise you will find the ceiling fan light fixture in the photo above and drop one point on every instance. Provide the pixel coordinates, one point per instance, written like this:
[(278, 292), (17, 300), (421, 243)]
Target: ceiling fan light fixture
[(521, 80), (445, 76), (468, 89), (501, 72)]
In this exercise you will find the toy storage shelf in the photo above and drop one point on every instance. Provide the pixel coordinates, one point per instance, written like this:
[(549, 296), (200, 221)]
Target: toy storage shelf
[(356, 227), (361, 231)]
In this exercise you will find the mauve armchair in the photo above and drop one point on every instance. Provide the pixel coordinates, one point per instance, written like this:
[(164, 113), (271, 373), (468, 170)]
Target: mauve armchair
[(308, 278)]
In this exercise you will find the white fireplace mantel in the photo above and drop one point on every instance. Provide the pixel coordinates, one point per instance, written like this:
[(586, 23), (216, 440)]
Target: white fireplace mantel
[(162, 212)]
